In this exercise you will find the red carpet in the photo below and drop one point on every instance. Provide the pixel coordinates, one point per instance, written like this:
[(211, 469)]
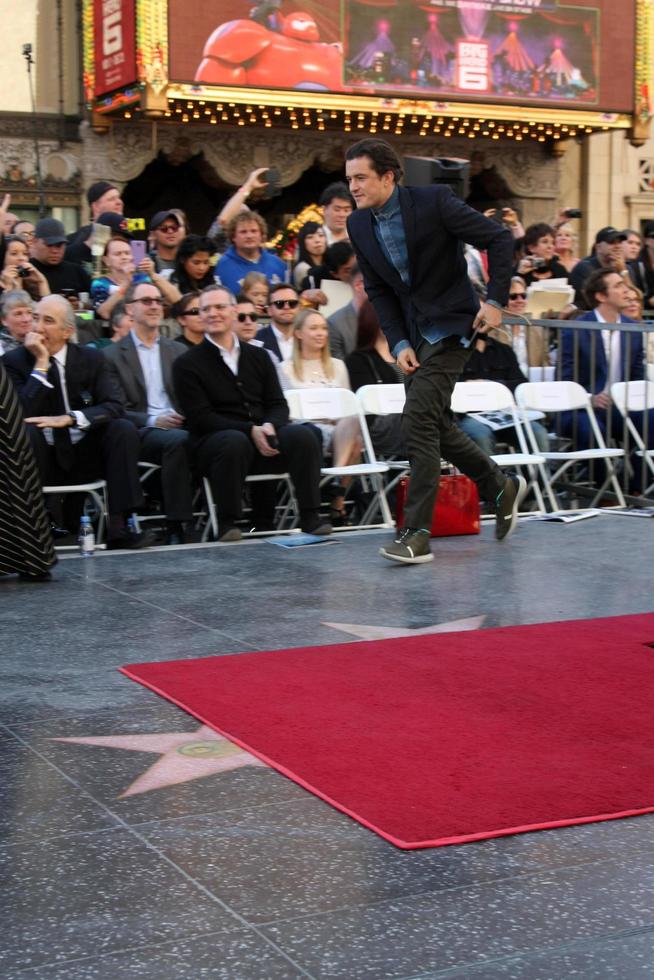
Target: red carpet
[(448, 738)]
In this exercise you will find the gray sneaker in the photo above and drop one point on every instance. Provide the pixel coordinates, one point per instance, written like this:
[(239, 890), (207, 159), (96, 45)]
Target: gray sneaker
[(411, 546), (507, 505)]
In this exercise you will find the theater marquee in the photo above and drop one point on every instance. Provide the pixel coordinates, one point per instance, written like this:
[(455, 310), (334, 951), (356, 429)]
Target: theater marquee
[(506, 59)]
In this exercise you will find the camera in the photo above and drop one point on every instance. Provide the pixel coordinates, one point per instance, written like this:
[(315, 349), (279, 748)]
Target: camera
[(573, 213), (23, 272), (538, 263)]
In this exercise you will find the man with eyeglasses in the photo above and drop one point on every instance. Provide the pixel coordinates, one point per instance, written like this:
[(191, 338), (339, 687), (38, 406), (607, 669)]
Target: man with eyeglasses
[(282, 307), (239, 423), (141, 364)]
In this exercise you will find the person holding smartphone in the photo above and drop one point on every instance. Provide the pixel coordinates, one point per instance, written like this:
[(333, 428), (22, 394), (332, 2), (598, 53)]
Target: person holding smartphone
[(122, 271)]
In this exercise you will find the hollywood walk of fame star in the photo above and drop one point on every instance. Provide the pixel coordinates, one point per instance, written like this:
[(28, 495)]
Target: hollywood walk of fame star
[(185, 756)]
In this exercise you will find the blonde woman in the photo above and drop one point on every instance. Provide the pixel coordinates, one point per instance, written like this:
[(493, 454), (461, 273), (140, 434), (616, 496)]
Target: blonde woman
[(312, 366), (529, 343), (565, 244)]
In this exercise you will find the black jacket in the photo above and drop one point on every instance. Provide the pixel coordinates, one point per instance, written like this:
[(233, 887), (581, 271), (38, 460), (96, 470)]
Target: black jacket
[(436, 225), (213, 399), (89, 385), (496, 363)]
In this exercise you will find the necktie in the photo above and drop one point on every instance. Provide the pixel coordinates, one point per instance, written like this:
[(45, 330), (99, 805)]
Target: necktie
[(60, 437)]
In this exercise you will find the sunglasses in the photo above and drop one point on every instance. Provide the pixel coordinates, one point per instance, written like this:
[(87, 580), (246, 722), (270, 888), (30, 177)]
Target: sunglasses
[(191, 313), (517, 296), (242, 317), (279, 304), (168, 228), (150, 300)]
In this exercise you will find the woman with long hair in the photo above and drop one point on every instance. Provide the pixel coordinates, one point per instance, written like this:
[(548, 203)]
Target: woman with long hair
[(312, 366), (193, 268), (312, 245), (371, 362)]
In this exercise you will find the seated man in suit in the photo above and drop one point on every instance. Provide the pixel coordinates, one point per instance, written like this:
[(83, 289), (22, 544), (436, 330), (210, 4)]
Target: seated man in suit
[(597, 359), (238, 419), (344, 323), (141, 364), (75, 417), (282, 307)]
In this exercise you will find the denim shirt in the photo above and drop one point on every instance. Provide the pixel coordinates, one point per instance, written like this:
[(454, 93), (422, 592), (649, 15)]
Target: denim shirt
[(389, 232)]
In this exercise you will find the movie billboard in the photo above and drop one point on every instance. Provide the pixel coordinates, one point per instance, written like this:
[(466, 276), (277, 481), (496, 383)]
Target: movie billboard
[(114, 40), (520, 51)]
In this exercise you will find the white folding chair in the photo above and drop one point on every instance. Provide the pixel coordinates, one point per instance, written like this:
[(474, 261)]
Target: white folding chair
[(635, 396), (386, 399), (316, 404), (491, 396), (289, 512), (551, 397), (97, 491)]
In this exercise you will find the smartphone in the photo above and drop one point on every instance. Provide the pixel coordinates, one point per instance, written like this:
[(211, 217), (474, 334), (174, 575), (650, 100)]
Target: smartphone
[(139, 251), (272, 441), (573, 213), (272, 178)]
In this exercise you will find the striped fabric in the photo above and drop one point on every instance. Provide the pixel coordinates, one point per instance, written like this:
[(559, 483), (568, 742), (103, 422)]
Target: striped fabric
[(25, 539)]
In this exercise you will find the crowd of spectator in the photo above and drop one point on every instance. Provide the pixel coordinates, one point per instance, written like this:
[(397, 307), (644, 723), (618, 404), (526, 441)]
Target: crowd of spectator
[(193, 338)]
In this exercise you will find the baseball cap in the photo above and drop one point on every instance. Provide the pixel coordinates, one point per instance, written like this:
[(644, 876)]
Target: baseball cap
[(610, 235), (161, 216), (116, 222), (96, 190), (51, 231)]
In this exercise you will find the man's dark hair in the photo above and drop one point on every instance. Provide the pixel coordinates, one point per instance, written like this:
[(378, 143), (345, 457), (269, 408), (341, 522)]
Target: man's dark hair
[(337, 255), (133, 286), (338, 191), (596, 283), (537, 231), (116, 315), (276, 286), (381, 154)]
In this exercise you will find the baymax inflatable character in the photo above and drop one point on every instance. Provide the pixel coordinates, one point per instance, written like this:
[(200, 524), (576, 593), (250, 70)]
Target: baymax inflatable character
[(245, 52)]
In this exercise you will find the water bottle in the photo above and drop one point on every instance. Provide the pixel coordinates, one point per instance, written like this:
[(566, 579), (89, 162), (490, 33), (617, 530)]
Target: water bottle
[(86, 538)]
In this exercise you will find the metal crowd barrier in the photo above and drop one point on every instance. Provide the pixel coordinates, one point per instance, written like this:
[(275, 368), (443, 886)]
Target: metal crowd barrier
[(540, 356)]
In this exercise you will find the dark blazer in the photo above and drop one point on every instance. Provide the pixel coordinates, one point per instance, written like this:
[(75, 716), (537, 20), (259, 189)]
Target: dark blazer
[(497, 362), (213, 399), (126, 369), (267, 337), (578, 364), (436, 224), (90, 386), (343, 329)]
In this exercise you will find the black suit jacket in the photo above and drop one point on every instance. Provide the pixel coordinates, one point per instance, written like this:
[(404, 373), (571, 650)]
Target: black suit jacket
[(213, 399), (89, 384), (125, 367), (436, 224), (267, 337)]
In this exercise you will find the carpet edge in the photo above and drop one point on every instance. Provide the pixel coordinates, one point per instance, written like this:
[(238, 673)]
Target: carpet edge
[(397, 842)]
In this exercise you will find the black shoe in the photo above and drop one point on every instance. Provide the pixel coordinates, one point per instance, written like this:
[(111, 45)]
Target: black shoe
[(507, 505), (37, 577), (227, 532), (317, 526), (262, 526), (59, 532), (132, 540)]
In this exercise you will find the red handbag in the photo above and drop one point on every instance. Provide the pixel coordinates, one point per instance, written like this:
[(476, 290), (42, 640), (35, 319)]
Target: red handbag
[(456, 510)]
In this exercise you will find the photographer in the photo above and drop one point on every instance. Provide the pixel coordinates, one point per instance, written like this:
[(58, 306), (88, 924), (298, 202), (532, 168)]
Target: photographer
[(18, 272), (540, 261)]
